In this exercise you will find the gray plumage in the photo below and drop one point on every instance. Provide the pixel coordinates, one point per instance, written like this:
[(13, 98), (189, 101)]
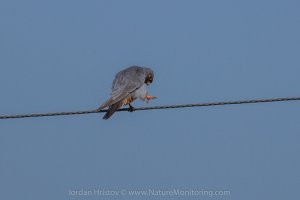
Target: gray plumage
[(128, 85)]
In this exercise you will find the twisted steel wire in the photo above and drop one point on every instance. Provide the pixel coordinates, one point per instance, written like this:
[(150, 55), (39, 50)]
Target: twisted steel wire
[(155, 107)]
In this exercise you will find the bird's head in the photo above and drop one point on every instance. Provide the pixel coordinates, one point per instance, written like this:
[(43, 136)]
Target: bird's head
[(149, 75)]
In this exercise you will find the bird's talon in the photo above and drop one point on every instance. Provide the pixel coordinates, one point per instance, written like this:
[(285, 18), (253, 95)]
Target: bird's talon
[(131, 108), (150, 97)]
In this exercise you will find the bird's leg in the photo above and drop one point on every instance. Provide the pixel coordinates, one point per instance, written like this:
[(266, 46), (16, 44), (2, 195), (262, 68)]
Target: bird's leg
[(148, 98), (131, 108)]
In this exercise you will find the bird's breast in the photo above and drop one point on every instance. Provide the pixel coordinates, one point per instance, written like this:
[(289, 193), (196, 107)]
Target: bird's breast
[(141, 92)]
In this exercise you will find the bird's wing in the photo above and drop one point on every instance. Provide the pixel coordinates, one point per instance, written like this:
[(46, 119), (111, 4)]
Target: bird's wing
[(125, 82)]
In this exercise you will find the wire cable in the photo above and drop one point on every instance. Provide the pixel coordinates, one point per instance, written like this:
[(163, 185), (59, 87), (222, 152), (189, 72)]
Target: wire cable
[(156, 107)]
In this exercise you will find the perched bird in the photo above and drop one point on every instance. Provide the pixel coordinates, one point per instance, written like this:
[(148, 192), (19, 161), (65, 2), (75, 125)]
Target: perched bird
[(129, 84)]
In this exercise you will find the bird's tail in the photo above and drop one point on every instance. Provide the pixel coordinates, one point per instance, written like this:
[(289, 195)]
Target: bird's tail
[(112, 109)]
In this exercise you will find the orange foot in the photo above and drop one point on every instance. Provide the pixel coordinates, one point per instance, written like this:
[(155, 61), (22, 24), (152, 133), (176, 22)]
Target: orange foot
[(149, 98)]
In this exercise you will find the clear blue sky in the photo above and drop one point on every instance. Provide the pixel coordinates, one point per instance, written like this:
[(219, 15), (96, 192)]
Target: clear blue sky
[(62, 56)]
